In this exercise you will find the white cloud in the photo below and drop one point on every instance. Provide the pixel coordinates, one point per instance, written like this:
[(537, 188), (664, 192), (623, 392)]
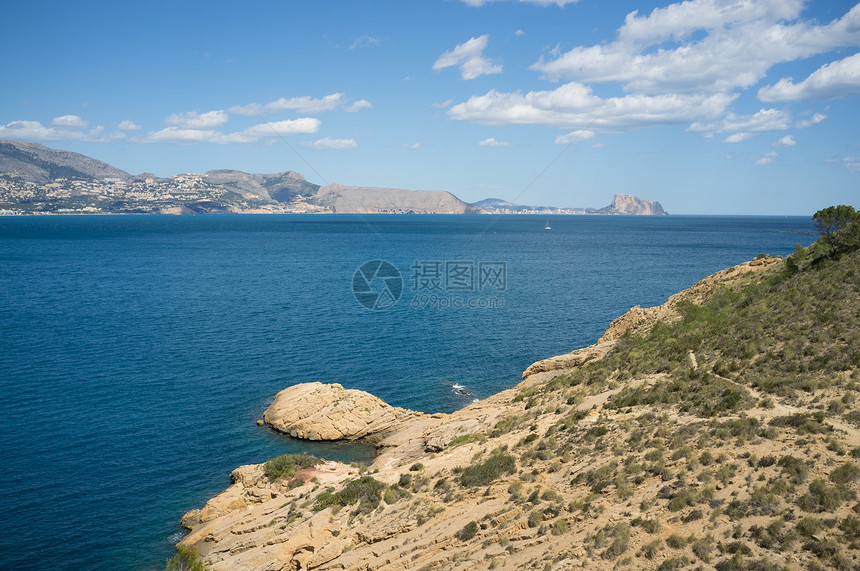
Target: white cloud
[(685, 62), (128, 125), (519, 33), (492, 142), (575, 106), (304, 104), (766, 159), (412, 146), (815, 120), (710, 46), (70, 121), (787, 141), (193, 120), (303, 126), (469, 56), (836, 79), (574, 137), (444, 104), (64, 131), (744, 126), (738, 137), (181, 135), (327, 143), (358, 106)]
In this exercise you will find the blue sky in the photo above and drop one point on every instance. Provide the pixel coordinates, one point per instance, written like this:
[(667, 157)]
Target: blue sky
[(709, 106)]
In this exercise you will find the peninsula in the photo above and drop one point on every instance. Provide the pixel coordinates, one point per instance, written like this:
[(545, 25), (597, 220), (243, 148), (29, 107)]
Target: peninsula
[(720, 429), (35, 179)]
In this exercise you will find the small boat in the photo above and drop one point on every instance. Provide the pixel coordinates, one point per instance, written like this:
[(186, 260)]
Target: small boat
[(547, 227)]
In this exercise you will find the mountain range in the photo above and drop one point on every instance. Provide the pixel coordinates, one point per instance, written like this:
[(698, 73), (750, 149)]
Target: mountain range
[(37, 179)]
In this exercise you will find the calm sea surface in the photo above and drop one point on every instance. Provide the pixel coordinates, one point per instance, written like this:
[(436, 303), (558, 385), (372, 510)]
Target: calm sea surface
[(137, 352)]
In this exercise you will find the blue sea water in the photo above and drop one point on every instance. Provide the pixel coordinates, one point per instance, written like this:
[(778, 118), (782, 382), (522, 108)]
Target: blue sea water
[(137, 352)]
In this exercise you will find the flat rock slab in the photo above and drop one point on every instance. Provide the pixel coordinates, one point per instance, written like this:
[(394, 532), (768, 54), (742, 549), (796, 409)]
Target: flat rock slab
[(318, 411)]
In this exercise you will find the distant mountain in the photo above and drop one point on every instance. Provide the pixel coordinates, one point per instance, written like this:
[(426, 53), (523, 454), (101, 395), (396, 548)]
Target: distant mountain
[(34, 162), (621, 204), (279, 187), (37, 179), (367, 200)]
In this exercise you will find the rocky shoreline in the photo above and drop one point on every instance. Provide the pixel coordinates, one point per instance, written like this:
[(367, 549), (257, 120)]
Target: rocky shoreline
[(430, 521)]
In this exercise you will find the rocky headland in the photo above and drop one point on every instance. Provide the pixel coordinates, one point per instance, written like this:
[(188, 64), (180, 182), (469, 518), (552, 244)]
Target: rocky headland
[(658, 447)]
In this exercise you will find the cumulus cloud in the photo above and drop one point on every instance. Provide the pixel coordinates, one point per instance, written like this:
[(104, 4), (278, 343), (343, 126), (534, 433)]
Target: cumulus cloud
[(703, 45), (64, 130), (70, 121), (787, 141), (687, 62), (193, 120), (744, 127), (492, 142), (304, 104), (183, 135), (128, 125), (575, 106), (469, 57), (836, 79), (328, 143)]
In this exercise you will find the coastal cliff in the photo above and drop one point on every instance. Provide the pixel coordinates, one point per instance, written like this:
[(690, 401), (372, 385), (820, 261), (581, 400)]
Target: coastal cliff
[(705, 431)]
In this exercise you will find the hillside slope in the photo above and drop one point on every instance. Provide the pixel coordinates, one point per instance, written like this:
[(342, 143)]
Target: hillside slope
[(723, 430)]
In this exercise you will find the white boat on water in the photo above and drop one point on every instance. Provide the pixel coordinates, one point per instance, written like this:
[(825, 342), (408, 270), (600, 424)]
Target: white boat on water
[(547, 227)]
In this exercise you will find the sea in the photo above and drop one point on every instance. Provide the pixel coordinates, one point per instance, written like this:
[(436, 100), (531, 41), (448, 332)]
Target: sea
[(138, 352)]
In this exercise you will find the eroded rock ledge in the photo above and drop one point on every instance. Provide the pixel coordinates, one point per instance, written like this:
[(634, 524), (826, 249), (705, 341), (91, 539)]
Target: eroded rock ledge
[(318, 411)]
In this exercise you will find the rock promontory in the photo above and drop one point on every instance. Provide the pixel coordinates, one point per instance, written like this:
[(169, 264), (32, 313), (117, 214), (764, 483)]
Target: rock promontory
[(318, 411)]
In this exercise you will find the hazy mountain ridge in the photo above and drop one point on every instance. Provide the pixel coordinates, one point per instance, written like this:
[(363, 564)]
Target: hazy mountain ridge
[(34, 162), (35, 179)]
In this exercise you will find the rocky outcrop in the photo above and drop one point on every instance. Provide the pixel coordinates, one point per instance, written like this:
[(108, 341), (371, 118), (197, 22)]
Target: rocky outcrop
[(633, 205), (317, 411)]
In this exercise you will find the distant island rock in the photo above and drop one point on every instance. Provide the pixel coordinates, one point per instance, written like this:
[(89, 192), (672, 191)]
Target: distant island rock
[(35, 179)]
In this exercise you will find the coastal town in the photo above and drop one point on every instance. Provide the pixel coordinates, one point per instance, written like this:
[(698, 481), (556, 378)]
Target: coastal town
[(179, 194)]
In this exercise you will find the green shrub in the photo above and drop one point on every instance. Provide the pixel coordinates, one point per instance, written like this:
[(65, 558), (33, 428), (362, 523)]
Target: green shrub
[(650, 549), (468, 532), (820, 497), (847, 473), (365, 490), (487, 471), (287, 465), (795, 468), (185, 560)]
